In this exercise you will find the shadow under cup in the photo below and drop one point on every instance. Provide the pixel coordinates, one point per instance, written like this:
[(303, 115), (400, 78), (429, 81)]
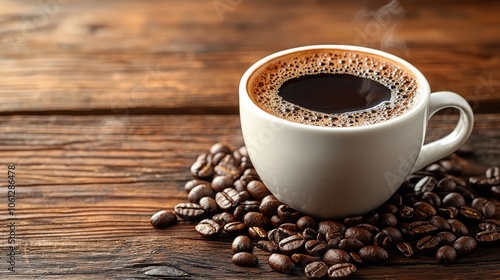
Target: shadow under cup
[(346, 169)]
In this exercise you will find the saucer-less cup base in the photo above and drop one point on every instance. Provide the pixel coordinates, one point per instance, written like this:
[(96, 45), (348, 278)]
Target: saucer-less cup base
[(334, 172)]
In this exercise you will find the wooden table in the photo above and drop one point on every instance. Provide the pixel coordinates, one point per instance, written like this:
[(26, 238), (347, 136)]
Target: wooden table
[(105, 105)]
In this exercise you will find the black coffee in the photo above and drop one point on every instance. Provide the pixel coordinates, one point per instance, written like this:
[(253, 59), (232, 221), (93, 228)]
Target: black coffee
[(334, 93), (333, 88)]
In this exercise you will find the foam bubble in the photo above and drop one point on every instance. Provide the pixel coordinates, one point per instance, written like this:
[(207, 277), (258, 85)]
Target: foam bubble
[(264, 85)]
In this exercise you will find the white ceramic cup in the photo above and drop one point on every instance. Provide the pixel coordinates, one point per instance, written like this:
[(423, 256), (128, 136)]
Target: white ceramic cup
[(333, 172)]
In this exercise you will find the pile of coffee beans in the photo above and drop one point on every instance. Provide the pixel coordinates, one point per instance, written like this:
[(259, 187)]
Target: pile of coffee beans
[(435, 212)]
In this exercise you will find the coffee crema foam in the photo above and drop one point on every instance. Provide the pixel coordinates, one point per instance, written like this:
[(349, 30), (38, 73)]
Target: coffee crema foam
[(264, 85)]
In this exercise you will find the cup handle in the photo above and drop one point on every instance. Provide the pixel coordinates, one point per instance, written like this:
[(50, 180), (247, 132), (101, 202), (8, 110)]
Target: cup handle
[(445, 146)]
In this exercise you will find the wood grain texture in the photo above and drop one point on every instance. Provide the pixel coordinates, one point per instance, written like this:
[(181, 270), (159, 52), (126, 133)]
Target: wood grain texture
[(84, 204)]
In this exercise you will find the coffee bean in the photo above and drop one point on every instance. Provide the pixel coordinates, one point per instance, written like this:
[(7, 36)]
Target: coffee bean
[(388, 220), (292, 244), (383, 240), (256, 219), (470, 214), (394, 233), (493, 172), (446, 185), (282, 263), (436, 169), (209, 205), (291, 227), (269, 207), (242, 243), (257, 233), (432, 198), (350, 245), (267, 246), (219, 183), (466, 193), (372, 219), (465, 245), (483, 184), (325, 226), (220, 148), (420, 228), (359, 233), (245, 259), (369, 227), (336, 256), (257, 189), (353, 221), (451, 166), (449, 212), (453, 199), (316, 270), (488, 237), (446, 254), (193, 183), (373, 254), (495, 191), (356, 258), (396, 199), (246, 207), (227, 199), (440, 223), (428, 244), (485, 206), (307, 222), (244, 196), (388, 208), (405, 212), (405, 249), (446, 238), (457, 227), (423, 211), (276, 221), (277, 234), (490, 224), (202, 168), (208, 228), (163, 219), (309, 234), (315, 248), (224, 218), (426, 184), (235, 228), (341, 271), (287, 214), (189, 211), (304, 259), (200, 191)]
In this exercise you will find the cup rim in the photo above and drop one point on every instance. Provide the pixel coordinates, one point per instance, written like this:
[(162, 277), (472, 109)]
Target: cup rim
[(421, 101)]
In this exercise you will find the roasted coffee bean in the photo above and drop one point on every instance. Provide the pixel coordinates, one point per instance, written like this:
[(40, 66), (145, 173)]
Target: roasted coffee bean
[(388, 208), (163, 219), (267, 246), (193, 183), (246, 207), (453, 199), (227, 169), (208, 228), (307, 222), (333, 241), (277, 234), (256, 219), (465, 245), (405, 212), (432, 198), (373, 254), (446, 254), (244, 196), (426, 184), (224, 218), (446, 185), (291, 227), (336, 256), (304, 259), (383, 240), (288, 214), (457, 227), (220, 148), (359, 233), (269, 207), (257, 233), (490, 224), (423, 211), (309, 234), (242, 243), (219, 183), (292, 244), (488, 237), (372, 219), (315, 248), (282, 263), (495, 191), (257, 189), (396, 199), (428, 244), (316, 270), (202, 167), (355, 258), (209, 205), (276, 221), (245, 259), (449, 212), (326, 226), (350, 245), (200, 191), (405, 248), (485, 206), (483, 184), (466, 193), (369, 227), (446, 238), (470, 214), (235, 228), (394, 233), (436, 169), (451, 166), (388, 220), (189, 211), (353, 221), (341, 271), (440, 223), (227, 199), (420, 228), (493, 172)]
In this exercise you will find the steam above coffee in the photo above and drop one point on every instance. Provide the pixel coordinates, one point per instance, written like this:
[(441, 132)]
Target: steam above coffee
[(333, 88)]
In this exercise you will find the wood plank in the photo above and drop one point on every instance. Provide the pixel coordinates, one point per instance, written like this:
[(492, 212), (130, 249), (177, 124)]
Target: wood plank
[(87, 186), (89, 57)]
